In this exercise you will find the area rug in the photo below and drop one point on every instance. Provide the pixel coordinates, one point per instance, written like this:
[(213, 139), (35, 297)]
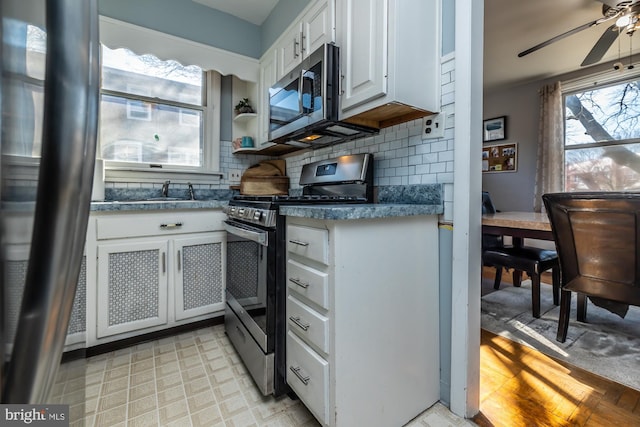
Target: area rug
[(606, 345)]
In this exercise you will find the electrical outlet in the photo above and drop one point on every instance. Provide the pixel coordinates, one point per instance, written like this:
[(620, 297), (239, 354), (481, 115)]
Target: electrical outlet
[(433, 126), (234, 175)]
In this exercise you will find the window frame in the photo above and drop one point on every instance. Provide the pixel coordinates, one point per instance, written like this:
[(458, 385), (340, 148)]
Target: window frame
[(595, 81), (147, 172)]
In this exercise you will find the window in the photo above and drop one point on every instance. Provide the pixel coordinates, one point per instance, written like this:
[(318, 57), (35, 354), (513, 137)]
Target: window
[(154, 113), (602, 137), (151, 111), (22, 121)]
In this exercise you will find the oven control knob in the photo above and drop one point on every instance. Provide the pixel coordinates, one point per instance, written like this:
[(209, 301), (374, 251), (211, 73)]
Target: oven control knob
[(257, 215), (241, 212)]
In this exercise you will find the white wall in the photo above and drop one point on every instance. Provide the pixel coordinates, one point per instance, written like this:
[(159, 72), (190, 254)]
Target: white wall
[(513, 191)]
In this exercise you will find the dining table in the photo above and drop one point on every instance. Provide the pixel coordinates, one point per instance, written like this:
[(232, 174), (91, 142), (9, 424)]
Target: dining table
[(518, 225)]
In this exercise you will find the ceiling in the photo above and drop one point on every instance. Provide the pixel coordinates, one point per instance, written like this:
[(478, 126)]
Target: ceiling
[(513, 26), (254, 11), (510, 27)]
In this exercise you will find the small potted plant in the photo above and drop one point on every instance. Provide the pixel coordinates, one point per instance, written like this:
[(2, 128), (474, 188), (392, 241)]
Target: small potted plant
[(244, 106)]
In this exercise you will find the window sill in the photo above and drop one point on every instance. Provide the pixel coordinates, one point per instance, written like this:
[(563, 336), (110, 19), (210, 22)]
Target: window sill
[(115, 174)]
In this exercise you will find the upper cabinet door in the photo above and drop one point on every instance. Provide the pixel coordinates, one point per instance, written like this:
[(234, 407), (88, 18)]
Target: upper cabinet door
[(290, 50), (312, 29), (317, 27), (268, 73), (363, 41)]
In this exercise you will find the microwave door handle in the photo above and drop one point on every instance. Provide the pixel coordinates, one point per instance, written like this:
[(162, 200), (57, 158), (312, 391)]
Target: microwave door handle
[(300, 89), (302, 86)]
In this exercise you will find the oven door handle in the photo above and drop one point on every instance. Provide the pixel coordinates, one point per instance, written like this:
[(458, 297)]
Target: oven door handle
[(254, 234)]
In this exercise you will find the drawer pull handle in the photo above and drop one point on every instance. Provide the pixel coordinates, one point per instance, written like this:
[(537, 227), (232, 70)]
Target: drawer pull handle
[(296, 371), (299, 323), (299, 243), (164, 262), (241, 333), (174, 225), (179, 259), (299, 283)]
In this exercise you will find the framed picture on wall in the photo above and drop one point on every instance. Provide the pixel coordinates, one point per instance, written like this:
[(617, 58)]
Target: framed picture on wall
[(494, 129), (500, 158)]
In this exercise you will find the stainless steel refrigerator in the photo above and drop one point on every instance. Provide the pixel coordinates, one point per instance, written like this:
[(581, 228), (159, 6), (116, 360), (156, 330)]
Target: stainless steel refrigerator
[(48, 143)]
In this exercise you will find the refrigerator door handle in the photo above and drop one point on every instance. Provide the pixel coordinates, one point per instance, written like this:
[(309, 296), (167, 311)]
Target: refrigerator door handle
[(63, 198)]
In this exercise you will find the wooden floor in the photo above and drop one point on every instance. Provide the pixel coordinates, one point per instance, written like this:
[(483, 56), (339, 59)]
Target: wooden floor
[(520, 386)]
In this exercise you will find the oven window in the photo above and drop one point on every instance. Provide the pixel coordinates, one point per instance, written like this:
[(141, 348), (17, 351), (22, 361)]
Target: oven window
[(246, 277)]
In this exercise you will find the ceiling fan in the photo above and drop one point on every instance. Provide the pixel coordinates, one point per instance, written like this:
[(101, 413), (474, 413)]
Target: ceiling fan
[(626, 17)]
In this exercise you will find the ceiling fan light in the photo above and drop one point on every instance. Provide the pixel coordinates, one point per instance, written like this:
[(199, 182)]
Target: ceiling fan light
[(623, 21)]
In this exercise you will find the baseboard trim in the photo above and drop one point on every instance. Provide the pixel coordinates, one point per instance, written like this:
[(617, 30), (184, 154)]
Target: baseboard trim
[(83, 353)]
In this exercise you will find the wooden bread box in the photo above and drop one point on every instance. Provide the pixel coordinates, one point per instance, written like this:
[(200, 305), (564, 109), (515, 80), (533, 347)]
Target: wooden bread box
[(265, 178), (264, 185)]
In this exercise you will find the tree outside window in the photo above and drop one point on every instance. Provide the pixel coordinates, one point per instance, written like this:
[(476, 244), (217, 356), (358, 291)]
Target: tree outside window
[(602, 138)]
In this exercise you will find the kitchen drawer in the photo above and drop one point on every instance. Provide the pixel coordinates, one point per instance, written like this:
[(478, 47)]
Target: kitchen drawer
[(309, 242), (154, 224), (309, 282), (308, 376), (308, 323)]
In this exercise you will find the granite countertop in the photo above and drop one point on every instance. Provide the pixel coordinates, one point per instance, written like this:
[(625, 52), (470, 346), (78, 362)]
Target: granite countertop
[(394, 201), (147, 205), (342, 212)]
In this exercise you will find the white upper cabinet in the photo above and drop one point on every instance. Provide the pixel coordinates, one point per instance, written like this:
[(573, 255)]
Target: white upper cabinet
[(268, 65), (390, 60), (314, 28), (363, 50)]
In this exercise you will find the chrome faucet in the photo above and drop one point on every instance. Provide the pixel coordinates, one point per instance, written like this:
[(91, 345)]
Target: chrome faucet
[(165, 189), (192, 195)]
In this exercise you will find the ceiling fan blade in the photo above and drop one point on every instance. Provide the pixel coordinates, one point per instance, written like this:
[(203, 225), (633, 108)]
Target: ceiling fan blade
[(560, 37), (602, 46)]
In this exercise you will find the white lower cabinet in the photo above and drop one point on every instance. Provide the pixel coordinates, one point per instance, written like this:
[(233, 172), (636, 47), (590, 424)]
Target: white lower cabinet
[(155, 271), (19, 230), (362, 318), (132, 286), (199, 275), (308, 376)]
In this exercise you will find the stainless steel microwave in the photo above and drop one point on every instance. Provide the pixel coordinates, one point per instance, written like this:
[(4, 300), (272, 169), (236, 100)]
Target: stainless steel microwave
[(304, 104)]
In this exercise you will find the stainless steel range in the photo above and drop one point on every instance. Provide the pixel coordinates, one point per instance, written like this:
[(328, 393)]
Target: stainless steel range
[(256, 260)]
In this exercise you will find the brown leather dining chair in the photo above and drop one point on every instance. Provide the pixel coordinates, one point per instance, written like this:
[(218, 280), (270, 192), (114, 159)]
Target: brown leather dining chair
[(597, 238), (532, 260)]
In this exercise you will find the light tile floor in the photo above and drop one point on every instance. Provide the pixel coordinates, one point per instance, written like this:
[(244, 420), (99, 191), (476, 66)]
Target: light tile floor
[(191, 379)]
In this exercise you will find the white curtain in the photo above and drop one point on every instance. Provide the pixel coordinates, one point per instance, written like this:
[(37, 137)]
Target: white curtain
[(550, 161)]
